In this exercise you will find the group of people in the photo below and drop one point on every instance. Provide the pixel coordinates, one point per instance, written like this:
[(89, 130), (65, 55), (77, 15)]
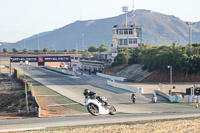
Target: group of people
[(90, 71)]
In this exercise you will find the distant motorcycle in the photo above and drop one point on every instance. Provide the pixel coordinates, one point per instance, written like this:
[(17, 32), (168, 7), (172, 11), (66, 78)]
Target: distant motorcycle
[(154, 98), (95, 106), (133, 98)]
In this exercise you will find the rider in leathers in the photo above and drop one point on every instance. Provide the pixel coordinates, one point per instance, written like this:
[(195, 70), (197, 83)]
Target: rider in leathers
[(92, 95)]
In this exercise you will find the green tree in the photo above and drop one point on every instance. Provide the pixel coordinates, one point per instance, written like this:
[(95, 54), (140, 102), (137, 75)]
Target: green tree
[(120, 59), (54, 51), (5, 50), (74, 50), (135, 56), (66, 50), (93, 48), (196, 44), (196, 48), (46, 50), (26, 50), (36, 50), (15, 50), (87, 54), (104, 48)]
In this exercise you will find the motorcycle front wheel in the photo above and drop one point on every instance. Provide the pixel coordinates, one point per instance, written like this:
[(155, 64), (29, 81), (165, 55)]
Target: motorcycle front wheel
[(112, 110), (93, 109)]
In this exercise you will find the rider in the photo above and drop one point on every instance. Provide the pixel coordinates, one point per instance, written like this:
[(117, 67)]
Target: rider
[(154, 98), (92, 94), (87, 93), (133, 96)]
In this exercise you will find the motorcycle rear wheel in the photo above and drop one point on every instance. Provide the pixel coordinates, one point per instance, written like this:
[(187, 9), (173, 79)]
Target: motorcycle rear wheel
[(112, 110), (93, 109), (133, 101)]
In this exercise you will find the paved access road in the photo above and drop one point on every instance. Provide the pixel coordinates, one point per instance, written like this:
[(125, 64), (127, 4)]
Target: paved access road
[(72, 87)]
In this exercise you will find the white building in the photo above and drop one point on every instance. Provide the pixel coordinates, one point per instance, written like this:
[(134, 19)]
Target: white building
[(125, 36)]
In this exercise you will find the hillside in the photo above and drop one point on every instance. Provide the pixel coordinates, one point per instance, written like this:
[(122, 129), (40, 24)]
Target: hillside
[(133, 73), (164, 76), (5, 43), (158, 29)]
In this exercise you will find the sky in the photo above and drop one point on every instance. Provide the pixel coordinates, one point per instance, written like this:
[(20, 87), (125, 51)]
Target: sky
[(20, 19)]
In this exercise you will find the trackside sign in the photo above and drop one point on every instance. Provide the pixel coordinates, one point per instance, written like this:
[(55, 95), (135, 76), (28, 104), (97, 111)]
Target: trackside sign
[(41, 59), (57, 59), (29, 59)]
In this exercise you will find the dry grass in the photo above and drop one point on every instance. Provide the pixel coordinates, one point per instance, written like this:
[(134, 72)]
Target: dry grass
[(169, 126)]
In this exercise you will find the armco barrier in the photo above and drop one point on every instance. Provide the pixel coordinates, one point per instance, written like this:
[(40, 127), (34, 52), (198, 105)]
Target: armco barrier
[(126, 87), (111, 77)]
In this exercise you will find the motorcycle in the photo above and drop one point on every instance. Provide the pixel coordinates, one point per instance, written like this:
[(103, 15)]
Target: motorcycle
[(97, 106), (133, 98), (154, 99)]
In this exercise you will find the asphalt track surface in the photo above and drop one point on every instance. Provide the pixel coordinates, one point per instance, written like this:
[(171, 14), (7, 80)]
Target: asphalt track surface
[(72, 87)]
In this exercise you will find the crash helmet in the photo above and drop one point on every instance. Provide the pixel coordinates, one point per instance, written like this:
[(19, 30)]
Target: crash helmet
[(85, 92)]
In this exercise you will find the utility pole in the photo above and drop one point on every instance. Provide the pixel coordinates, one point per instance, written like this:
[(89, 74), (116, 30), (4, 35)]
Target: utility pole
[(76, 49), (125, 10), (190, 24), (38, 42), (83, 42), (24, 44), (133, 13), (53, 47), (170, 67)]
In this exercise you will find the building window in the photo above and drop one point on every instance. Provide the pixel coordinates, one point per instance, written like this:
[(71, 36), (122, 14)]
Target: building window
[(121, 32), (120, 41), (135, 40), (125, 31), (130, 41), (130, 31), (125, 41)]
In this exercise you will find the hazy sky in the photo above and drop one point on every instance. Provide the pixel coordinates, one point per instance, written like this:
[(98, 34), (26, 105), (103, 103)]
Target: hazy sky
[(23, 18)]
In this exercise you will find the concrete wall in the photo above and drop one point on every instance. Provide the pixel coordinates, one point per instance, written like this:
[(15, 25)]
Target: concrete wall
[(61, 70), (111, 77), (163, 94), (126, 87)]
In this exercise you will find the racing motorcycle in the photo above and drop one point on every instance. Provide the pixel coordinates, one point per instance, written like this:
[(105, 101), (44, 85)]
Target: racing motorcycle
[(154, 98), (133, 99), (98, 105)]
